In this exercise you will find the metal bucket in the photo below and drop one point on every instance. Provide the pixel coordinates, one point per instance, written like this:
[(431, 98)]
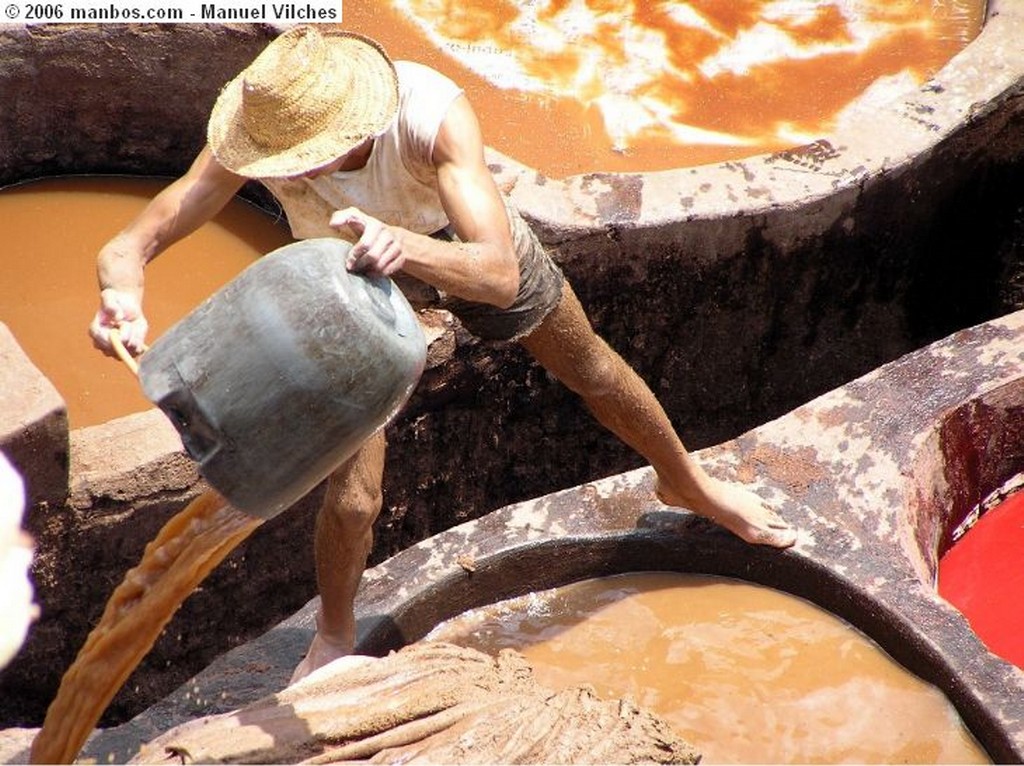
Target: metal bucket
[(280, 376)]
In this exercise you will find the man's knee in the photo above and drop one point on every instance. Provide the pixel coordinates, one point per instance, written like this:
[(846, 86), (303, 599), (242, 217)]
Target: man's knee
[(354, 497), (585, 364), (354, 506), (600, 370)]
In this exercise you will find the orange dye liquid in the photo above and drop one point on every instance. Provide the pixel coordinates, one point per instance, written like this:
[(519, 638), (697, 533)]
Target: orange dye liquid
[(187, 549), (53, 230), (746, 674), (634, 85)]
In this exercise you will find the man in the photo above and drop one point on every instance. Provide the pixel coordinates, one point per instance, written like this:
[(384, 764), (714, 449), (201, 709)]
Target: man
[(390, 156)]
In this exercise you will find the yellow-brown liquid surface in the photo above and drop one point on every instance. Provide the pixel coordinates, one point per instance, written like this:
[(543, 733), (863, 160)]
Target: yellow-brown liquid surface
[(188, 548), (575, 86), (747, 674), (52, 232)]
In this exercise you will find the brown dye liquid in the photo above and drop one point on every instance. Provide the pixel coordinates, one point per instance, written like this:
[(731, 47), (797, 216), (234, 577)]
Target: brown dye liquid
[(189, 546), (747, 674), (653, 52), (53, 230)]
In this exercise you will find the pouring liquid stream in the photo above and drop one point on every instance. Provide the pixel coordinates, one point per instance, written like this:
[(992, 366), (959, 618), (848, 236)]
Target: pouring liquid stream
[(183, 553)]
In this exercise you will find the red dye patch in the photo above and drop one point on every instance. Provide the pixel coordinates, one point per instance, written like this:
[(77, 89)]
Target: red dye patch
[(982, 576)]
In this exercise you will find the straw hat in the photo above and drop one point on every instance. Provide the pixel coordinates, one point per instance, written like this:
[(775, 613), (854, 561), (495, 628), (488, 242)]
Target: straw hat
[(307, 99)]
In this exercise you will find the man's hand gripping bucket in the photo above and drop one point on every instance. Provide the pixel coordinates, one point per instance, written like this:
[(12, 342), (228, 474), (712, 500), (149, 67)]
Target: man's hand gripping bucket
[(280, 376)]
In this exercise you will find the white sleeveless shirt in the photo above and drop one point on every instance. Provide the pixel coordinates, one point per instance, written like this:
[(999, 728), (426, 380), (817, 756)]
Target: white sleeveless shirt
[(398, 184)]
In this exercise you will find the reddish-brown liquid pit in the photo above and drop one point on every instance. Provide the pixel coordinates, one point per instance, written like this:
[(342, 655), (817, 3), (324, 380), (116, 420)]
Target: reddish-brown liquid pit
[(53, 230), (564, 134), (747, 674), (50, 306)]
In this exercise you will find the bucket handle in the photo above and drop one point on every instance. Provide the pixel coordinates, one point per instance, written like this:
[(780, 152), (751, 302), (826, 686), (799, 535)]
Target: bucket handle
[(122, 353)]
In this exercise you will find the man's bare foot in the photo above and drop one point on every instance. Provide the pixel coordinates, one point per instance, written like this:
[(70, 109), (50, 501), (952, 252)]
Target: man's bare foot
[(737, 509), (321, 651)]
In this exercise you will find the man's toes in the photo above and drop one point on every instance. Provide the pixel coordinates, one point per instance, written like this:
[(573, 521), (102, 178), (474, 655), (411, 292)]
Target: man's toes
[(777, 538)]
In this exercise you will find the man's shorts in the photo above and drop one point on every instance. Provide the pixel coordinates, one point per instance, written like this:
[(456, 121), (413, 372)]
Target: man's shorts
[(540, 289)]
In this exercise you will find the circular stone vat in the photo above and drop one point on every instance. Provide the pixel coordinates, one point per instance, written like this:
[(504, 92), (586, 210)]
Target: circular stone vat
[(747, 674), (828, 259), (529, 568), (965, 467), (48, 306), (570, 89)]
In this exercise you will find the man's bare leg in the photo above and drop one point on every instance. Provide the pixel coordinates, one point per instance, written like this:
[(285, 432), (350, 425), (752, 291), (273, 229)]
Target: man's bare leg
[(344, 537), (566, 345)]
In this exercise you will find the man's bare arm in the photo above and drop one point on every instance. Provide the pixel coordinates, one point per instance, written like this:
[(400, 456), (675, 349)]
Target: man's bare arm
[(175, 212), (483, 267)]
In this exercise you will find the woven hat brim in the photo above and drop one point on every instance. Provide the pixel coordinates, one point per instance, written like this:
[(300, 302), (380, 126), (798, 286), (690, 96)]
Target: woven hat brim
[(235, 150)]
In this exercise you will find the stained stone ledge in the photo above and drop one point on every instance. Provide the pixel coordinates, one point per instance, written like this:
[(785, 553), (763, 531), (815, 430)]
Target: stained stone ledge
[(33, 425)]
